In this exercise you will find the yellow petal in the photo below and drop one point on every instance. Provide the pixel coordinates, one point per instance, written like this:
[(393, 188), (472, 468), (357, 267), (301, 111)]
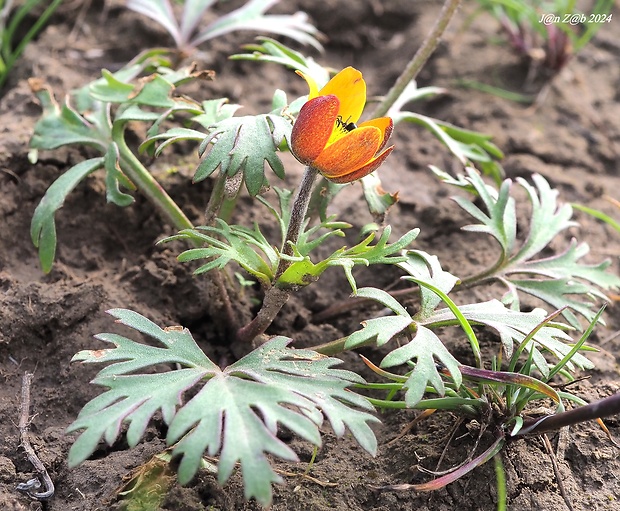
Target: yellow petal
[(314, 88), (350, 88)]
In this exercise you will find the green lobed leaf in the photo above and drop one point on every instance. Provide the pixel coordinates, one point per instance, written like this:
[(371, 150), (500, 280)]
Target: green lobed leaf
[(547, 220), (129, 356), (245, 144), (60, 126), (566, 265), (384, 298), (151, 91), (90, 123), (43, 226), (252, 251), (236, 411), (379, 330), (154, 90), (304, 271), (468, 146), (308, 241), (193, 12), (227, 243), (427, 267), (271, 380), (500, 219), (560, 279), (412, 93), (160, 11), (512, 327), (215, 110), (424, 348), (131, 399), (560, 293), (270, 50)]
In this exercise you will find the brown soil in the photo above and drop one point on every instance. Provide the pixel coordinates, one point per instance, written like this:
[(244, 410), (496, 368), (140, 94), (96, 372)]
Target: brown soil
[(107, 258)]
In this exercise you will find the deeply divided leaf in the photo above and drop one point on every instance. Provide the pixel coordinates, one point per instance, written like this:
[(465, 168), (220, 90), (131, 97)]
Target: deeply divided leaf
[(560, 279), (513, 327), (425, 348), (234, 412)]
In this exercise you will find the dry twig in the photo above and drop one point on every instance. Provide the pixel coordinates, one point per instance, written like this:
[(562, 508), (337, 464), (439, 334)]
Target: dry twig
[(556, 471), (30, 486)]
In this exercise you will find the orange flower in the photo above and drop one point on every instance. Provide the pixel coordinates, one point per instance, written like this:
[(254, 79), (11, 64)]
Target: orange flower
[(326, 137)]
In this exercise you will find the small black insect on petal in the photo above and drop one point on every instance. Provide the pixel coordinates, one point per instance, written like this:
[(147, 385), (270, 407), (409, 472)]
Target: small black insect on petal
[(345, 125)]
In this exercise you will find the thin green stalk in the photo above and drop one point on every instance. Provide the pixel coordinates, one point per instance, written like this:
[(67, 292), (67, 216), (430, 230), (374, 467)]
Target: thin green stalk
[(315, 451), (332, 348), (276, 297), (217, 208), (228, 207), (500, 478), (422, 55), (465, 405), (146, 183), (479, 278)]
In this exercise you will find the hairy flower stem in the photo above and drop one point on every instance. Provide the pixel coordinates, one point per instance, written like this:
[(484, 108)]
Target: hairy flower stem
[(146, 183), (216, 200), (298, 215), (419, 59), (276, 297)]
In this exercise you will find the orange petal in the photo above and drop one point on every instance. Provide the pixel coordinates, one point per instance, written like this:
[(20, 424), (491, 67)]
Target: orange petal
[(349, 152), (385, 124), (371, 166), (313, 128), (350, 89)]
